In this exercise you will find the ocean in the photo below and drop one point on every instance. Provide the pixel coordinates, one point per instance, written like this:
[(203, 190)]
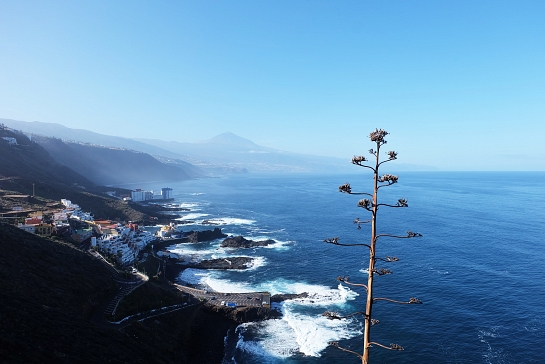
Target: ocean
[(479, 267)]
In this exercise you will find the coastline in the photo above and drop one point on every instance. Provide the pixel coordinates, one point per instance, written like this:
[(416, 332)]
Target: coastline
[(209, 334)]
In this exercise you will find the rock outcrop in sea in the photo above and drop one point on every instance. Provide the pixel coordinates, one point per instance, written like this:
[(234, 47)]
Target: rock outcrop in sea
[(207, 235), (241, 242), (225, 263), (288, 296), (244, 314)]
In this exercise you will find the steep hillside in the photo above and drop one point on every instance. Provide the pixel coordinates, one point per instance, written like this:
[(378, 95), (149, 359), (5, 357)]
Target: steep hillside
[(110, 166), (27, 168), (29, 160), (226, 153), (84, 136), (48, 294)]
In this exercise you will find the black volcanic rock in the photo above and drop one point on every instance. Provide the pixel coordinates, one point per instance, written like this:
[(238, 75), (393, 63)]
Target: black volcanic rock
[(283, 297), (209, 222), (207, 235), (244, 314), (241, 242), (225, 263)]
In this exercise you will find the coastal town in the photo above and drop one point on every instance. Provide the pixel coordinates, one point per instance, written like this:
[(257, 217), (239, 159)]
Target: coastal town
[(122, 244)]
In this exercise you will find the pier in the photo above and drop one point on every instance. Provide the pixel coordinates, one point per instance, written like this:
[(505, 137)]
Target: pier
[(248, 299)]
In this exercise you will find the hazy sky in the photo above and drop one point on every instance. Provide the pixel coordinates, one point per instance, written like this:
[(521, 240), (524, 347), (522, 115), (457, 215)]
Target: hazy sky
[(458, 84)]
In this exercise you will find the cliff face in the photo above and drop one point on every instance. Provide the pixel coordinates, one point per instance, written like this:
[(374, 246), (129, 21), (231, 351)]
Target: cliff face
[(28, 160), (111, 166)]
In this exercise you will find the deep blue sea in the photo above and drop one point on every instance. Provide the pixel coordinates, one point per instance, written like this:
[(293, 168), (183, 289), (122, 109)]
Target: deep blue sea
[(479, 267)]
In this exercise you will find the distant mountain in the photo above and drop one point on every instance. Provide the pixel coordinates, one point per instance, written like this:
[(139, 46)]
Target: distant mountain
[(230, 139), (223, 154), (54, 130), (233, 150)]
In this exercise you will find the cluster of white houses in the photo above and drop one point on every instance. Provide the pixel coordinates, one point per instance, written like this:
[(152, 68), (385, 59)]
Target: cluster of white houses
[(123, 241), (11, 141), (140, 195)]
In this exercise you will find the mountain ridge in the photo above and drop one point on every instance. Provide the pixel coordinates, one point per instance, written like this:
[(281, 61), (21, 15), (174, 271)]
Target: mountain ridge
[(222, 154)]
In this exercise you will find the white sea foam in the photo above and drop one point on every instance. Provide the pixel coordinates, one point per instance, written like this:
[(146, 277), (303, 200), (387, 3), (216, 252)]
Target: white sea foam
[(189, 205), (197, 193), (256, 263), (296, 332), (196, 249), (193, 276), (299, 332), (191, 216), (229, 221), (312, 334), (276, 339)]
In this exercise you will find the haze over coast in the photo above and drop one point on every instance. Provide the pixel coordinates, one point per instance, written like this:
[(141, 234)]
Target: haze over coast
[(456, 84), (250, 117)]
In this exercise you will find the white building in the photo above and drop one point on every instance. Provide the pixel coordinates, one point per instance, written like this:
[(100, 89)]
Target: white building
[(68, 204), (28, 228), (165, 194), (11, 141), (60, 216), (141, 195), (81, 215), (124, 242)]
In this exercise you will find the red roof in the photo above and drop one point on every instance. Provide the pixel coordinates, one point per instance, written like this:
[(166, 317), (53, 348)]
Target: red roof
[(33, 220)]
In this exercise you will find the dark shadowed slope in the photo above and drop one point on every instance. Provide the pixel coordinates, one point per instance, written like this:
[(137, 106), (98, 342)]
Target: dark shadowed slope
[(85, 136), (26, 168), (48, 291), (110, 166)]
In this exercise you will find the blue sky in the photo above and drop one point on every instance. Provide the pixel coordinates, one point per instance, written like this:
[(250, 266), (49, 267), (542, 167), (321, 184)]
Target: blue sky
[(460, 85)]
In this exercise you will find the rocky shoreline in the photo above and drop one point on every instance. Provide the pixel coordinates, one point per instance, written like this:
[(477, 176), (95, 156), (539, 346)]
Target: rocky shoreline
[(178, 265), (229, 317), (223, 263)]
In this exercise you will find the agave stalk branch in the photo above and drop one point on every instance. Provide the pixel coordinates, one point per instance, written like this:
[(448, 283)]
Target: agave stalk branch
[(411, 301), (391, 347), (336, 344), (335, 315), (335, 241), (346, 280), (410, 234), (388, 259)]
